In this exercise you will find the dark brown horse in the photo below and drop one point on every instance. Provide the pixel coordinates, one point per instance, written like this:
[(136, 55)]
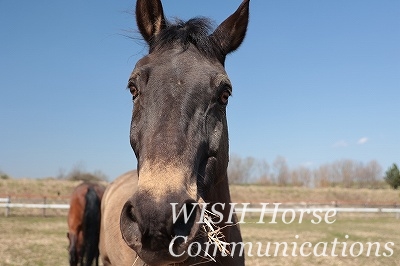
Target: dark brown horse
[(84, 224), (180, 138)]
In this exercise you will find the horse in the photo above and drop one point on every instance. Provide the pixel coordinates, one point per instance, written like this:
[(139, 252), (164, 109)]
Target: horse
[(84, 224), (179, 135)]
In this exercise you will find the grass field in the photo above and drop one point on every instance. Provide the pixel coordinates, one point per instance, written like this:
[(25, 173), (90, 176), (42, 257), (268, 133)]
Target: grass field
[(53, 189), (33, 241), (359, 229), (42, 241), (28, 239)]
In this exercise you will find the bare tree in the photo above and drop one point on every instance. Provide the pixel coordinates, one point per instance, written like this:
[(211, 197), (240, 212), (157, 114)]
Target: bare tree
[(240, 171), (322, 177), (369, 175), (282, 171), (263, 174), (301, 177), (344, 173), (347, 169), (348, 173)]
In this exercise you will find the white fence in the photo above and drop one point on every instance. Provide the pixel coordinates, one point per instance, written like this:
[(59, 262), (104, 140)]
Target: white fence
[(323, 209), (8, 205), (4, 200), (297, 207)]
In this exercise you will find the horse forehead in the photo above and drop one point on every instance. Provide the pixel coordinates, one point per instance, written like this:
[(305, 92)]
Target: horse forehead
[(182, 63)]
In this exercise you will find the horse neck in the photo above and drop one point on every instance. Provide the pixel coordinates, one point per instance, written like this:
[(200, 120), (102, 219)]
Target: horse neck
[(220, 194), (221, 191), (230, 229)]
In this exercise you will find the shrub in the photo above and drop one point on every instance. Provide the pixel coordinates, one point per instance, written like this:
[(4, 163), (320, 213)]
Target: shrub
[(393, 176)]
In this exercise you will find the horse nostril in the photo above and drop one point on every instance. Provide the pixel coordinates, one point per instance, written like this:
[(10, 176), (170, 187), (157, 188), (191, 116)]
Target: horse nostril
[(186, 219), (129, 226), (128, 212)]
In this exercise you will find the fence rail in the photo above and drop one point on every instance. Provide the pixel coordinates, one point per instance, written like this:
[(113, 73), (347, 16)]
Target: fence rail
[(296, 207), (322, 209), (8, 205), (4, 200), (34, 205)]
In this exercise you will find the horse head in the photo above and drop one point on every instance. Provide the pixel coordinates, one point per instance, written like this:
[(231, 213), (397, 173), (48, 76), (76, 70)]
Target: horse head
[(179, 129)]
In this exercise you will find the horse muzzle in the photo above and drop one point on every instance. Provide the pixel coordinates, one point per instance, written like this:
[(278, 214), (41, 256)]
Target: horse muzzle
[(156, 232)]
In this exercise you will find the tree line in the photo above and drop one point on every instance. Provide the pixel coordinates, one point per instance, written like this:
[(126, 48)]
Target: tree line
[(78, 173), (342, 173)]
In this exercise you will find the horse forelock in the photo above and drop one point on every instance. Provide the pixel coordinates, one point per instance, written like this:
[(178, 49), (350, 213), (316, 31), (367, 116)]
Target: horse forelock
[(195, 31)]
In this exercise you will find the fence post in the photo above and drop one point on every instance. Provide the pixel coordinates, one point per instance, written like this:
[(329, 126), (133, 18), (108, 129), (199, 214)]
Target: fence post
[(44, 208), (7, 211), (335, 205)]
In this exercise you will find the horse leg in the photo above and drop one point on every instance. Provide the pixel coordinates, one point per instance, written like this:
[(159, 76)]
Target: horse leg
[(72, 250)]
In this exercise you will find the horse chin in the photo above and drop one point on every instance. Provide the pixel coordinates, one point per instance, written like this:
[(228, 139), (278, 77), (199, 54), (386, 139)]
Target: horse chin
[(160, 258), (176, 253), (164, 257)]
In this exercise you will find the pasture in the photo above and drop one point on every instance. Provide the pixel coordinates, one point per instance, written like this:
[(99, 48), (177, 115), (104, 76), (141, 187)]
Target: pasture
[(61, 189), (26, 238), (42, 241)]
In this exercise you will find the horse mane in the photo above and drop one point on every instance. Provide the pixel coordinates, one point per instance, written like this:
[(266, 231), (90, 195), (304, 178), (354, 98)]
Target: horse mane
[(196, 31)]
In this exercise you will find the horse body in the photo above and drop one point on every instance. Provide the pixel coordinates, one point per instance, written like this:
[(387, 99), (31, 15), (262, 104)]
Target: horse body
[(84, 224), (113, 248), (179, 135)]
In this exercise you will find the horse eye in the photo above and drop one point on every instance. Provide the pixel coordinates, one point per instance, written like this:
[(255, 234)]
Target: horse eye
[(134, 91), (223, 98)]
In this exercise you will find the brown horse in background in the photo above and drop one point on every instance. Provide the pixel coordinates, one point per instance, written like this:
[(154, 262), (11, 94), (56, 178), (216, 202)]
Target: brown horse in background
[(84, 224), (179, 134)]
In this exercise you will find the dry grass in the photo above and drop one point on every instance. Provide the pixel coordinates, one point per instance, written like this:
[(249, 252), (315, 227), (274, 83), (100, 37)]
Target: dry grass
[(38, 188), (51, 191), (42, 241), (215, 235), (361, 228), (33, 241), (257, 194), (53, 188)]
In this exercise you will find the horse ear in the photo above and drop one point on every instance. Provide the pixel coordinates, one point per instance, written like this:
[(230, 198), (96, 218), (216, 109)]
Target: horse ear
[(150, 18), (230, 33)]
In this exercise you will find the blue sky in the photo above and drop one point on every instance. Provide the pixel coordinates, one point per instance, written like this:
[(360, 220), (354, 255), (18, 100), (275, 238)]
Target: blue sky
[(314, 82)]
